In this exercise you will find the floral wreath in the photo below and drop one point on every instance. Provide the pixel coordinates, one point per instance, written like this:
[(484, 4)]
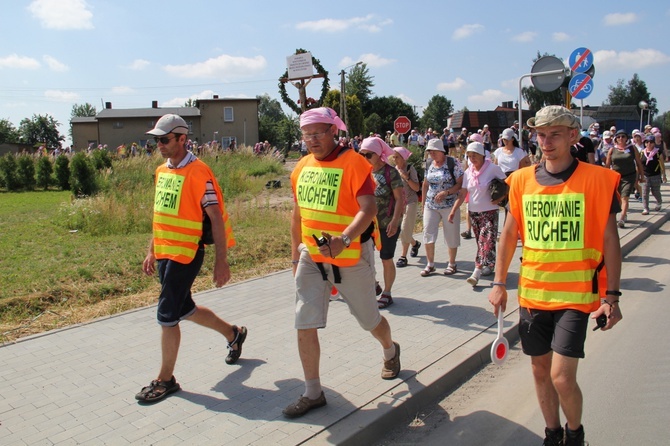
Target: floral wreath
[(325, 86)]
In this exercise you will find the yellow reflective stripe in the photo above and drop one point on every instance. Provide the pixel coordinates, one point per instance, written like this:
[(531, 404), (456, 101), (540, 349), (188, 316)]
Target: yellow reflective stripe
[(558, 276), (327, 217), (175, 250), (176, 236), (556, 296), (561, 256), (180, 222), (348, 253)]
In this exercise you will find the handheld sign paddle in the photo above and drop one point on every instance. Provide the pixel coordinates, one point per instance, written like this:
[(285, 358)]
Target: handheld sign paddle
[(500, 346)]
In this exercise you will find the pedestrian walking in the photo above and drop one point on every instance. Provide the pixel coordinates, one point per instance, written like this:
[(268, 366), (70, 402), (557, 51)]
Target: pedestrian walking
[(411, 186), (187, 195), (653, 165), (565, 212), (332, 236)]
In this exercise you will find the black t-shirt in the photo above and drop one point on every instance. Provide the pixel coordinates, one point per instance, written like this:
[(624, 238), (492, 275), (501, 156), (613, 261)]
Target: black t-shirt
[(582, 149), (546, 178)]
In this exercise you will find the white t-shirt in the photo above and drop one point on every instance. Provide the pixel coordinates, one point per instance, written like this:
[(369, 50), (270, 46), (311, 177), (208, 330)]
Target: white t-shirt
[(480, 197), (509, 162)]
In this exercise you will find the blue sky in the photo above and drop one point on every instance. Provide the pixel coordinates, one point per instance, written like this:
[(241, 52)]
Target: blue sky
[(57, 53)]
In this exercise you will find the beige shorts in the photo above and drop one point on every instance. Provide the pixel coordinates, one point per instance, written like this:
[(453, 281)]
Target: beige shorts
[(312, 294), (408, 223)]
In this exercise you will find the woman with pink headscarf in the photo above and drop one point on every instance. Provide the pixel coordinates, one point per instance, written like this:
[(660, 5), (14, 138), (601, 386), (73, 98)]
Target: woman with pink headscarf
[(482, 210), (390, 205), (411, 185)]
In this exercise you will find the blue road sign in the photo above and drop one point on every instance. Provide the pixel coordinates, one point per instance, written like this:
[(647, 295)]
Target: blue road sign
[(581, 60), (581, 85)]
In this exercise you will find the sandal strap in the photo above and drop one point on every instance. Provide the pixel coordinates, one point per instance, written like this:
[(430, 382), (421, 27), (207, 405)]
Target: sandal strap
[(236, 330)]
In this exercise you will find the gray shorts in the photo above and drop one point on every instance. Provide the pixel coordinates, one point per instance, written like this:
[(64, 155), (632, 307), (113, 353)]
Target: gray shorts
[(312, 294)]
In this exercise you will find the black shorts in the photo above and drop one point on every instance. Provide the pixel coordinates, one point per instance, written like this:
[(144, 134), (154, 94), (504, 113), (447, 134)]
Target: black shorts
[(388, 244), (175, 301), (562, 331)]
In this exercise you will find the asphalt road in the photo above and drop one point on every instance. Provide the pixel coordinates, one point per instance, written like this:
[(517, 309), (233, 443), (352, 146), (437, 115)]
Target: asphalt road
[(624, 377)]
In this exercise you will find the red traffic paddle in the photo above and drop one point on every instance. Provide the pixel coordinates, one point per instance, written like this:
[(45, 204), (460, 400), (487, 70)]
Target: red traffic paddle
[(500, 346)]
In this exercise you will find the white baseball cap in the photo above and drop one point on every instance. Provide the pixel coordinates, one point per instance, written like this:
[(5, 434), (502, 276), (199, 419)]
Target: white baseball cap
[(169, 124)]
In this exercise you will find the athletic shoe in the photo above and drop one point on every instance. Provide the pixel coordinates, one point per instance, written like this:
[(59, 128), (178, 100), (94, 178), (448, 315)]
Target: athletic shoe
[(645, 212), (553, 437)]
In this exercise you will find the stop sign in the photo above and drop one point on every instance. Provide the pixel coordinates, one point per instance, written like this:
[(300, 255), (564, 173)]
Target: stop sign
[(402, 124)]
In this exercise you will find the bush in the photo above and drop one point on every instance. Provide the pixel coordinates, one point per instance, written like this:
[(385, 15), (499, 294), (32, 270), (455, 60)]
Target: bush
[(8, 168), (44, 171), (82, 175), (101, 159), (63, 172), (26, 172)]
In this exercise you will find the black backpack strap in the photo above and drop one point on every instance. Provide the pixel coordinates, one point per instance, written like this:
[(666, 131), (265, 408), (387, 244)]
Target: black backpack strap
[(336, 272)]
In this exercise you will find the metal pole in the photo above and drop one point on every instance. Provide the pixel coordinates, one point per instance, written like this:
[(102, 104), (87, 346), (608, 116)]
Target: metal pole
[(581, 113)]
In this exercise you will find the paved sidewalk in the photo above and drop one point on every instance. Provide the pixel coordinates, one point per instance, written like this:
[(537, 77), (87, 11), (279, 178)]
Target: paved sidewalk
[(77, 385)]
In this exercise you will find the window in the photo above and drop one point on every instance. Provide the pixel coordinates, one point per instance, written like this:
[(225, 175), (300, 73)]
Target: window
[(228, 114), (117, 125)]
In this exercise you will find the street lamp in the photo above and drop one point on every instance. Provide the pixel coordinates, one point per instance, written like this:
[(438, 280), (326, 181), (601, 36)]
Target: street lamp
[(643, 106), (343, 96)]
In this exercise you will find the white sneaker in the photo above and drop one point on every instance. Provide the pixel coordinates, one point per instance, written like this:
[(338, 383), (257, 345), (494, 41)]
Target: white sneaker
[(645, 212), (472, 280)]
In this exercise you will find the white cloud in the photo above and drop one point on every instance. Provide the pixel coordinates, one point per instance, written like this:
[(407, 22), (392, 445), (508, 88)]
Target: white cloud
[(510, 83), (54, 64), (403, 97), (490, 98), (61, 96), (618, 18), (62, 14), (222, 67), (525, 37), (371, 60), (369, 23), (456, 84), (139, 64), (20, 62), (640, 58), (560, 37), (466, 31)]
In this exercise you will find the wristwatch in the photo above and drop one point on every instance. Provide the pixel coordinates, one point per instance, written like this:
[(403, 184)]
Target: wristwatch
[(346, 240)]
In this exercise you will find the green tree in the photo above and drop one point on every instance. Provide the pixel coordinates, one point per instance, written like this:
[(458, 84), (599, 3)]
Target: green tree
[(332, 100), (40, 130), (270, 118), (189, 103), (26, 172), (44, 171), (82, 175), (9, 171), (437, 112), (538, 99), (359, 83), (388, 108), (62, 170), (373, 124), (8, 132), (356, 121), (631, 94)]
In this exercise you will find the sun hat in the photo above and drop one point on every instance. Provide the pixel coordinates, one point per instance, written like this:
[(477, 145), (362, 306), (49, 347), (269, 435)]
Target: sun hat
[(508, 134), (554, 115), (169, 124), (651, 138), (607, 134), (476, 137), (621, 132), (435, 144), (476, 147)]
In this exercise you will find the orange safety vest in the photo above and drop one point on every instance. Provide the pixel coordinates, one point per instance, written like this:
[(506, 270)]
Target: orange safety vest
[(326, 194), (178, 212), (562, 229)]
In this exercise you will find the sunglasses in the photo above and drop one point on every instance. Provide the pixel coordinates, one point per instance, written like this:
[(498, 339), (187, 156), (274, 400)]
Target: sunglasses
[(313, 136), (367, 155), (163, 139)]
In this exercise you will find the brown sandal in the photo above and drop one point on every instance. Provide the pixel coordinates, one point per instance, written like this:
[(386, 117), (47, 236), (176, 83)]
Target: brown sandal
[(157, 390), (384, 301)]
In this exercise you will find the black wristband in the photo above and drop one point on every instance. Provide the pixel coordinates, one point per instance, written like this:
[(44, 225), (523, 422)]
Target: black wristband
[(616, 293)]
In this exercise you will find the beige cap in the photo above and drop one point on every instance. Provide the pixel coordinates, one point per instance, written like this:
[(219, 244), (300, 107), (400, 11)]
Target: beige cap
[(554, 115)]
